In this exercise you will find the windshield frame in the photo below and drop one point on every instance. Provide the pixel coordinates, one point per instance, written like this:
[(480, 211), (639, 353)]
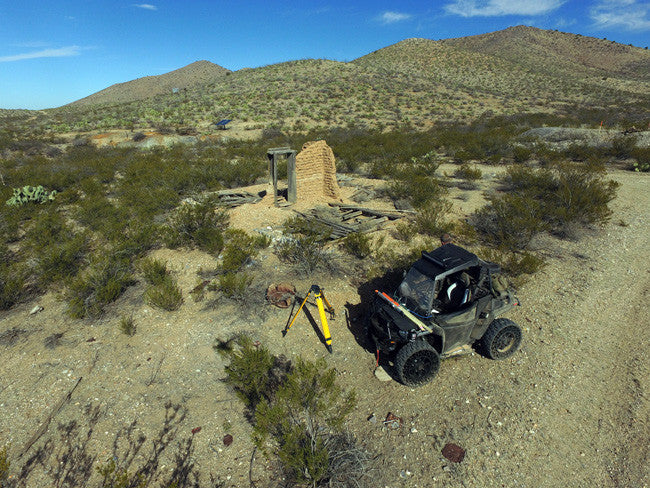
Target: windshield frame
[(419, 292)]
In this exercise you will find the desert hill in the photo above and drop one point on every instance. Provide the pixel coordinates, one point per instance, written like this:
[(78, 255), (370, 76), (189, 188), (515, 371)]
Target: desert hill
[(415, 82), (193, 74)]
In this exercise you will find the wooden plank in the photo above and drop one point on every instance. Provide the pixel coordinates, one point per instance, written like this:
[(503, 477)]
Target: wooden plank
[(351, 214), (391, 214)]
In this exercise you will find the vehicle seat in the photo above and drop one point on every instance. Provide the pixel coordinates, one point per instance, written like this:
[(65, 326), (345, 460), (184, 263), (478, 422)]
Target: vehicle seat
[(457, 293)]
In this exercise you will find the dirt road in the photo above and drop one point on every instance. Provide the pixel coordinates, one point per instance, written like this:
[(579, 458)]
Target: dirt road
[(571, 409)]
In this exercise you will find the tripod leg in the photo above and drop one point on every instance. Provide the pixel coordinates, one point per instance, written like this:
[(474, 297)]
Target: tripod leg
[(330, 309), (284, 332), (323, 320)]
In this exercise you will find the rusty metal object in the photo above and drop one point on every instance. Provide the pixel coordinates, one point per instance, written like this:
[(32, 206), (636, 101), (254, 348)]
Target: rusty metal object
[(453, 452), (281, 295), (393, 422)]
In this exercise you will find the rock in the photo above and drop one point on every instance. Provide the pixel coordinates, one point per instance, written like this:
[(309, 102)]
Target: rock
[(382, 375), (35, 310), (453, 452)]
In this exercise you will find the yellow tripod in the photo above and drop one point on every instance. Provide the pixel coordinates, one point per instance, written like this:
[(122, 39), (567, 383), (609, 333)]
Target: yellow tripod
[(320, 298)]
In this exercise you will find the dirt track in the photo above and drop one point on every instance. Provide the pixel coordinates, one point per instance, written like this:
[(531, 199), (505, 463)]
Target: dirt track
[(570, 409)]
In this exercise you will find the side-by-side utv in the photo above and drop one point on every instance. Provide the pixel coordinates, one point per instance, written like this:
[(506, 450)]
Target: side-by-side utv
[(448, 300)]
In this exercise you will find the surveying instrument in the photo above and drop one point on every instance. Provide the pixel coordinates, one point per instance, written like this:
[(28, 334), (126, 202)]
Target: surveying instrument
[(320, 298)]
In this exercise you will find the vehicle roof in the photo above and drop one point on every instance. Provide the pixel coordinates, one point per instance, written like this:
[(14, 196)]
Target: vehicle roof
[(446, 260)]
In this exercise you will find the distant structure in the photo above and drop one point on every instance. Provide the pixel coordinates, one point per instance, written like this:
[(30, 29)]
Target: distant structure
[(221, 125)]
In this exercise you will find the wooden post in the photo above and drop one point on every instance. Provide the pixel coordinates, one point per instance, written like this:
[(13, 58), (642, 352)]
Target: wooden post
[(292, 194), (272, 154)]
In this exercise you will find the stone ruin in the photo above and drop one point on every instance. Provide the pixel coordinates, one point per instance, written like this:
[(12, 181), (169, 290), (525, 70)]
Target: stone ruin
[(316, 172), (311, 175)]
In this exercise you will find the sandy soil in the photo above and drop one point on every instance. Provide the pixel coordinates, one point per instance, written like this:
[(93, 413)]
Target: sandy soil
[(570, 409)]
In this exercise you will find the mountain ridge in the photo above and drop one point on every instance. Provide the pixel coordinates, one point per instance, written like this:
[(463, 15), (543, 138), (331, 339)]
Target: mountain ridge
[(416, 82), (198, 72)]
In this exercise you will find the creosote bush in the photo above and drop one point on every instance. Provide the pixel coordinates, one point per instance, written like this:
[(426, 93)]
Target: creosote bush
[(234, 285), (306, 254), (163, 292), (298, 412), (100, 284), (554, 198), (467, 172), (200, 224), (13, 282), (358, 244), (154, 271), (240, 249)]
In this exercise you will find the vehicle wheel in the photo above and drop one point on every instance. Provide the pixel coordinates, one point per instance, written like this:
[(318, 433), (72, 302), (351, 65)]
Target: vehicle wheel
[(501, 339), (417, 363)]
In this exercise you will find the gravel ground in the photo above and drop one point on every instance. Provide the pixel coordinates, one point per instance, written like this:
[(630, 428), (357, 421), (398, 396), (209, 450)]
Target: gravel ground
[(570, 409)]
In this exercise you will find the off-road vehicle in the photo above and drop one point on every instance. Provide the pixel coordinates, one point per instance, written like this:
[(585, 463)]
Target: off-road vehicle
[(448, 300)]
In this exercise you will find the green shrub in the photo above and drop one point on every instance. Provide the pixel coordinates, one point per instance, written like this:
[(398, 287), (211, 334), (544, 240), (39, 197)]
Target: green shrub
[(234, 285), (306, 254), (127, 326), (98, 285), (61, 261), (623, 146), (253, 372), (155, 272), (430, 219), (4, 467), (358, 244), (166, 295), (199, 224), (299, 226), (115, 477), (298, 410), (642, 159), (135, 239), (306, 407), (13, 280), (554, 198), (415, 181), (514, 264), (510, 221), (240, 249), (467, 172), (521, 154)]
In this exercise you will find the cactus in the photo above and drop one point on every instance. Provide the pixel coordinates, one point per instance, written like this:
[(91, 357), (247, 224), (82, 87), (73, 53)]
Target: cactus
[(28, 193)]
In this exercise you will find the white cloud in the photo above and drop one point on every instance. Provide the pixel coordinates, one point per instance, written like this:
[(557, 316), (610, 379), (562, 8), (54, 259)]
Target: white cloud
[(389, 17), (146, 6), (45, 53), (493, 8), (625, 14)]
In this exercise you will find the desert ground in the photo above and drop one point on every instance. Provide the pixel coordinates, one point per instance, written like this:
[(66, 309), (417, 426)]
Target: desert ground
[(570, 409)]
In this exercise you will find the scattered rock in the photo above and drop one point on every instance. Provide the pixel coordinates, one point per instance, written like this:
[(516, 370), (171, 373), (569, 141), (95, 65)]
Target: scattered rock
[(453, 452), (392, 421), (382, 375), (35, 310)]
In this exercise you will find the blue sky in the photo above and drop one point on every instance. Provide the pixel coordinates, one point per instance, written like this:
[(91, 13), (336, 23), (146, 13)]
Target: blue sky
[(57, 51)]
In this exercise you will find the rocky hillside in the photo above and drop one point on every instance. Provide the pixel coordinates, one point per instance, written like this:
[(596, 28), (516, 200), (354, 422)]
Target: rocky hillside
[(197, 73), (416, 82)]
